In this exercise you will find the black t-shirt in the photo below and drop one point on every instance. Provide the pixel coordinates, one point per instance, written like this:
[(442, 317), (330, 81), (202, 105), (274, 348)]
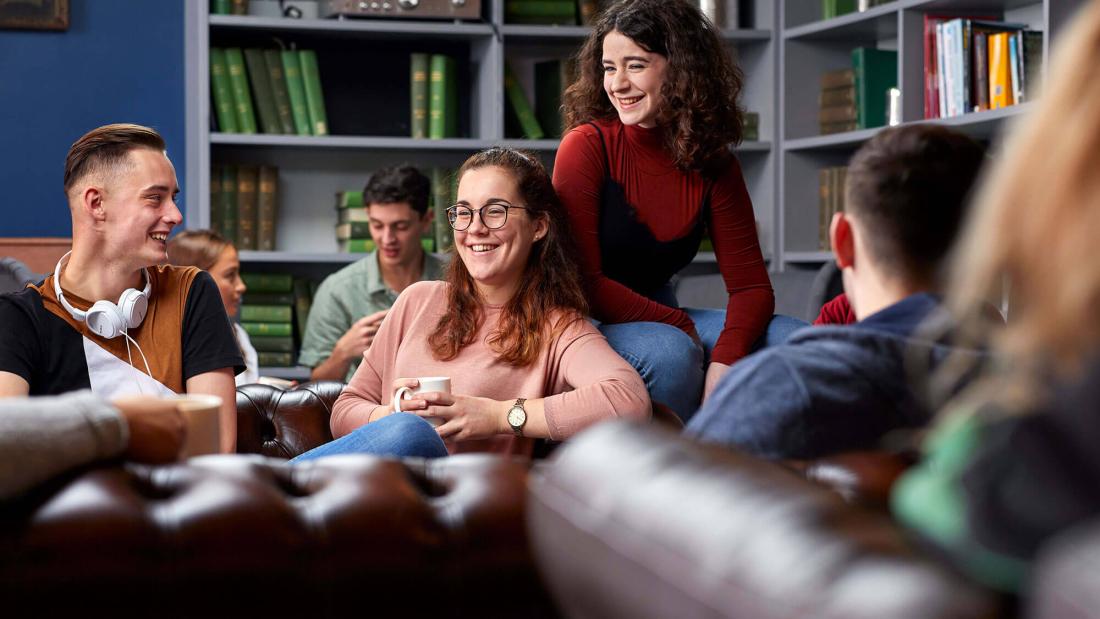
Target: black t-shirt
[(185, 333)]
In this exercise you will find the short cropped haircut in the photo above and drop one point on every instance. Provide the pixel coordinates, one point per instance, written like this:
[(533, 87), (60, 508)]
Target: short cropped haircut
[(104, 149), (909, 188), (396, 185)]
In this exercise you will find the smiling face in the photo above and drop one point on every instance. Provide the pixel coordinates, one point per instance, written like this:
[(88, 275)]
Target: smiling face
[(396, 229), (227, 275), (632, 78), (496, 259), (139, 208)]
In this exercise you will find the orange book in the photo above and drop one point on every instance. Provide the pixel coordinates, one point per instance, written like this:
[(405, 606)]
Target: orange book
[(1000, 76)]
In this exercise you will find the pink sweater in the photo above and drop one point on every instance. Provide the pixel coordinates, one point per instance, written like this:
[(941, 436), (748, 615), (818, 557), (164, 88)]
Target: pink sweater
[(581, 378)]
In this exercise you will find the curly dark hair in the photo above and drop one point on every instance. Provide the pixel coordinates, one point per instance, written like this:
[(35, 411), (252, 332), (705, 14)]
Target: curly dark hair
[(551, 280), (700, 111)]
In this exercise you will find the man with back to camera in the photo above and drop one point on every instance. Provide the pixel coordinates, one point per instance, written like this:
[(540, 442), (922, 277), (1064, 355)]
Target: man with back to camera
[(835, 388), (351, 303), (111, 318)]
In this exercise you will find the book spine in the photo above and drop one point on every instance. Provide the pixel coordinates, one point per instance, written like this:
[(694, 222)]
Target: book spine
[(247, 177), (356, 246), (999, 86), (441, 201), (268, 282), (438, 96), (260, 82), (228, 206), (315, 100), (837, 113), (353, 230), (242, 97), (296, 89), (265, 313), (967, 68), (267, 328), (274, 62), (1033, 62), (349, 199), (303, 301), (930, 86), (220, 7), (840, 78), (1014, 64), (356, 213), (941, 77), (238, 7), (837, 96), (224, 106), (981, 70), (216, 217), (272, 343), (518, 100), (551, 79), (267, 298), (274, 359), (418, 87), (267, 208)]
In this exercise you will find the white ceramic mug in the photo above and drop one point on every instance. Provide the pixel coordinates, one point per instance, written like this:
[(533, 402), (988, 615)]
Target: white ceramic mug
[(441, 384), (201, 414)]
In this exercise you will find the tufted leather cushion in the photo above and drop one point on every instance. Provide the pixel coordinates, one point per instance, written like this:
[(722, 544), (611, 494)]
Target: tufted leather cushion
[(633, 521), (284, 424), (248, 536)]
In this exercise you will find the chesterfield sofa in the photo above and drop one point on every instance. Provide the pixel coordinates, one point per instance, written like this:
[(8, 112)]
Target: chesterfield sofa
[(623, 521)]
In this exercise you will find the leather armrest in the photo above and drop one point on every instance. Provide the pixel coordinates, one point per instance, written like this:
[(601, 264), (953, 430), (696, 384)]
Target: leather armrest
[(283, 424)]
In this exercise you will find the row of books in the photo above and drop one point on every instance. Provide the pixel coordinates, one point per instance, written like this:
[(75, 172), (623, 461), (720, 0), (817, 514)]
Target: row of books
[(274, 313), (857, 97), (543, 119), (836, 8), (229, 7), (551, 12), (972, 64), (353, 222), (434, 96), (244, 204), (830, 185), (284, 86)]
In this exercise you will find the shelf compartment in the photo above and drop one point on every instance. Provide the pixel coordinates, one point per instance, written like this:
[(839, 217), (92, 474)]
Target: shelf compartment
[(376, 28), (880, 22), (248, 256), (344, 142)]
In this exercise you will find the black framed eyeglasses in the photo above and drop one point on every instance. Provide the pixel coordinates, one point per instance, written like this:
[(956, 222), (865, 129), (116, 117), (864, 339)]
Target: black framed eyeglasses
[(494, 215)]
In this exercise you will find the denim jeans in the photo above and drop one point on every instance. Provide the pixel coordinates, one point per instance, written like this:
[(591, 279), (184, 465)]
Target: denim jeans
[(671, 363), (398, 435)]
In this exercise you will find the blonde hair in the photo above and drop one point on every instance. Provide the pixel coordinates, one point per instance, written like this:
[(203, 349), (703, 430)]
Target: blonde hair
[(1036, 223)]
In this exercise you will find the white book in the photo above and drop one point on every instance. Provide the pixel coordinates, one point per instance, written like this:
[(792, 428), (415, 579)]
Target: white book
[(941, 77)]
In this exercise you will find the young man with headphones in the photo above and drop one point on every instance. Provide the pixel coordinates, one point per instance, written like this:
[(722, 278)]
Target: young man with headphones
[(110, 318)]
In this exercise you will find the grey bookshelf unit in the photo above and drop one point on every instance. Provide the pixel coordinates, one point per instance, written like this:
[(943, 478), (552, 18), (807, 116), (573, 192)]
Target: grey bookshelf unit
[(809, 46)]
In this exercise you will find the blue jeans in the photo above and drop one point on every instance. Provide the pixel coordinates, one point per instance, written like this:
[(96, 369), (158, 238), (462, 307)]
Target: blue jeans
[(671, 363), (399, 435)]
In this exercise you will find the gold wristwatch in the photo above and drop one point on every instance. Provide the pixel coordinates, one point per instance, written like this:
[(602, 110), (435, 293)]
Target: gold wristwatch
[(517, 417)]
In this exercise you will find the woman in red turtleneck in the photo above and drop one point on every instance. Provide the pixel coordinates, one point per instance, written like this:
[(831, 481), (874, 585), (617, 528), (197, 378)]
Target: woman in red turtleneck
[(644, 170)]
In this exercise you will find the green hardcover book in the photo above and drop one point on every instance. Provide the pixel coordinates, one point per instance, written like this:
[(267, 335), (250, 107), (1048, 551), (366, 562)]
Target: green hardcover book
[(228, 206), (268, 282), (222, 91), (552, 77), (353, 230), (274, 63), (441, 200), (356, 246), (242, 97), (247, 179), (315, 99), (220, 7), (296, 89), (418, 87), (266, 328), (518, 100), (546, 12), (267, 298), (272, 343), (260, 82), (303, 300), (442, 98), (266, 313), (427, 243), (836, 8), (267, 208), (274, 359), (876, 72), (238, 7), (345, 215), (216, 217), (351, 198)]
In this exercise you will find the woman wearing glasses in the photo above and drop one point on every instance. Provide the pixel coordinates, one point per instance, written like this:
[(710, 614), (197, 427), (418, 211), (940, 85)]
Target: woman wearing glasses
[(507, 326)]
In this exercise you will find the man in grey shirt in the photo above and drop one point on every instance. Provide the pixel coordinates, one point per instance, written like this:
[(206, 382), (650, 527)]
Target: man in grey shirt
[(351, 303)]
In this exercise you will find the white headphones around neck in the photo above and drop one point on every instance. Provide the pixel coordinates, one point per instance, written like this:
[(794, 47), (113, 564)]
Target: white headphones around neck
[(106, 319)]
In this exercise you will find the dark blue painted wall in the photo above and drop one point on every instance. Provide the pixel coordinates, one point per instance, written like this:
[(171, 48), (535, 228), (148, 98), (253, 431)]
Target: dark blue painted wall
[(119, 61)]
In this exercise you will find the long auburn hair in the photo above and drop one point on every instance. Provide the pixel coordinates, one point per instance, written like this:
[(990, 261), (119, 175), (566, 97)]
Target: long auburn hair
[(550, 282), (1035, 228), (699, 113)]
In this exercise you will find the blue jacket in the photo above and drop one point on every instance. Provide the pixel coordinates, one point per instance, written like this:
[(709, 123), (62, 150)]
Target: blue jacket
[(827, 389)]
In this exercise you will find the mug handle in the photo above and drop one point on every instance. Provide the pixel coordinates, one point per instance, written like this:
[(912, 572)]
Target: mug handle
[(398, 396)]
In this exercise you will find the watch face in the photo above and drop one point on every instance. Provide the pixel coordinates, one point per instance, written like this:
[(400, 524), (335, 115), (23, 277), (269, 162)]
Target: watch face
[(516, 417)]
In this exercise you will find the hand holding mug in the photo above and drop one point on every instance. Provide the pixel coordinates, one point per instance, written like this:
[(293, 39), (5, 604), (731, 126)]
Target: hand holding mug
[(407, 388)]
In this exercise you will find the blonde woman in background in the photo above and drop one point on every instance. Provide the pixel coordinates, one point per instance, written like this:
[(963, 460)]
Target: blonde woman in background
[(1014, 460), (212, 253)]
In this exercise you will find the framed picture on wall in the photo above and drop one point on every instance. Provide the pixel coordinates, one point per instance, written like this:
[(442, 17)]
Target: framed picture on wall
[(34, 14)]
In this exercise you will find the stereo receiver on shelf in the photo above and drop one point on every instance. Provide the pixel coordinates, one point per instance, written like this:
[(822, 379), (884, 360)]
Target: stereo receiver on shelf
[(403, 9)]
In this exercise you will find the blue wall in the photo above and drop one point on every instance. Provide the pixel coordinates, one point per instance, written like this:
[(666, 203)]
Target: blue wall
[(119, 61)]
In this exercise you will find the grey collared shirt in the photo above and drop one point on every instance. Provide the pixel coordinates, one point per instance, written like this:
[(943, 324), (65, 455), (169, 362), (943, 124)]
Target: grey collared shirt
[(347, 295)]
